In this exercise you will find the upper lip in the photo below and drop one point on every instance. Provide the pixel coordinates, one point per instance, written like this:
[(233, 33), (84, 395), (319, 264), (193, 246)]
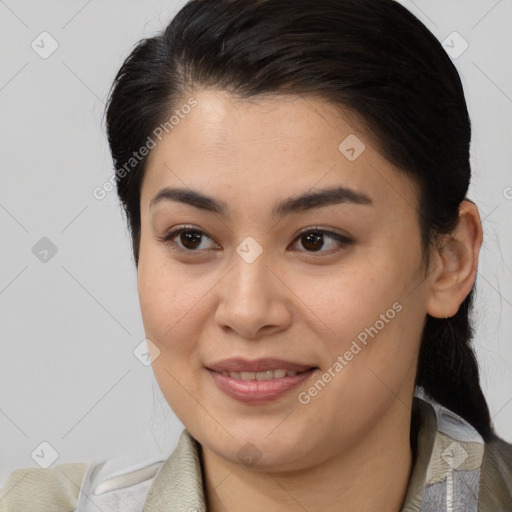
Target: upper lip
[(257, 365)]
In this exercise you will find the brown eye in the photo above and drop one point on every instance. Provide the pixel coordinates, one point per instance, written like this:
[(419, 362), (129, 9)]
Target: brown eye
[(188, 239), (321, 240), (313, 241)]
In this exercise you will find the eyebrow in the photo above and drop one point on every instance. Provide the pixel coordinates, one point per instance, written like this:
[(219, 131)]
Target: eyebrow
[(299, 203)]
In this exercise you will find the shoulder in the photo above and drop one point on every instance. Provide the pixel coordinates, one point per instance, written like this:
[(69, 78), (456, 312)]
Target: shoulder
[(461, 458), (499, 455), (35, 489), (112, 485), (496, 477), (496, 454)]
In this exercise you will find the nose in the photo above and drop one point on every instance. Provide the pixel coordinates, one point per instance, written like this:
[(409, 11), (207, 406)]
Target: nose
[(254, 299)]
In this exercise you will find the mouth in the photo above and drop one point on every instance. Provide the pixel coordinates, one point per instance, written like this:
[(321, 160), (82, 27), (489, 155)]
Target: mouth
[(260, 376), (261, 381)]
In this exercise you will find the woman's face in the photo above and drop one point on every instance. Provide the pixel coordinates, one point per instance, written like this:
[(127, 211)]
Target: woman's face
[(289, 313)]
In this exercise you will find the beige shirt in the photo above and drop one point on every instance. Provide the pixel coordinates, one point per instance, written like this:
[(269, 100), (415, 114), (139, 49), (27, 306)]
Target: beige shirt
[(453, 471)]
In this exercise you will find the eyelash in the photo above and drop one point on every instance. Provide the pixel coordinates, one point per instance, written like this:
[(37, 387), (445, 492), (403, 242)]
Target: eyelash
[(341, 239)]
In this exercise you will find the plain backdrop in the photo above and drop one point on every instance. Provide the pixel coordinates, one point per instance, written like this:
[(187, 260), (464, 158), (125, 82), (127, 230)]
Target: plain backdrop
[(70, 317)]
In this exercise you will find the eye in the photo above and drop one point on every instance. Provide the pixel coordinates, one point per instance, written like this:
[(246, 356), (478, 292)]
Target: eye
[(188, 238), (314, 240)]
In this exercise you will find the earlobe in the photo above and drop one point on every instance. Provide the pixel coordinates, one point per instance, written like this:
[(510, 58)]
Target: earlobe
[(456, 262)]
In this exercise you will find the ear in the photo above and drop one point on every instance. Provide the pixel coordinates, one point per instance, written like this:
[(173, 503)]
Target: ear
[(455, 265)]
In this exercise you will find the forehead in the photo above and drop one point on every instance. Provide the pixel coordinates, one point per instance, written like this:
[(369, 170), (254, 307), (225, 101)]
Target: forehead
[(271, 145)]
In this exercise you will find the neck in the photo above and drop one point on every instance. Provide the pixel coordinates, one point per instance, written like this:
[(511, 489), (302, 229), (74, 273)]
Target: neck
[(372, 475)]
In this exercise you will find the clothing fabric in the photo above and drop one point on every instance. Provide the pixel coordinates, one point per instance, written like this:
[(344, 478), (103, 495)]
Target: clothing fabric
[(453, 471)]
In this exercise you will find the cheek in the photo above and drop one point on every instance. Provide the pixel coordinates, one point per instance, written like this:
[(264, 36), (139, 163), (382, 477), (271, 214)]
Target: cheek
[(351, 296), (170, 322), (366, 315), (169, 302)]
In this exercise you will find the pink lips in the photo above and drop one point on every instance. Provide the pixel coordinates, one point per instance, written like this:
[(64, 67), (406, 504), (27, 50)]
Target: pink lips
[(254, 391)]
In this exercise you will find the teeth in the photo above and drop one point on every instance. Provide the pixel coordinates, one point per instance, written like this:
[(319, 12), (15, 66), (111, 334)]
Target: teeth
[(266, 375)]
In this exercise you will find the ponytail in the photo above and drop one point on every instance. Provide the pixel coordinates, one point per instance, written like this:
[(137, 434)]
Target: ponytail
[(448, 370)]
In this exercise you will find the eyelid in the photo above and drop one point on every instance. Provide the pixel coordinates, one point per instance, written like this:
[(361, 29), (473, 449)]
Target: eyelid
[(325, 231), (176, 231)]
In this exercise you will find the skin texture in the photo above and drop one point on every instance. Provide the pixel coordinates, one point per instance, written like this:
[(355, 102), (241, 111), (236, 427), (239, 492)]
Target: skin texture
[(348, 448)]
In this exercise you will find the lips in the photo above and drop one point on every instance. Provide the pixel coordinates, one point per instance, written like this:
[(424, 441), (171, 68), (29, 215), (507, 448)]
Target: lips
[(260, 381)]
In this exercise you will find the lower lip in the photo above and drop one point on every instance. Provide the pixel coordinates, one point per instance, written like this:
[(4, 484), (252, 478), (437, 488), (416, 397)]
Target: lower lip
[(254, 391)]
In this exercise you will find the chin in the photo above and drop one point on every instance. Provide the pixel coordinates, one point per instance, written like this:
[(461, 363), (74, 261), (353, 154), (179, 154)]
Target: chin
[(256, 449)]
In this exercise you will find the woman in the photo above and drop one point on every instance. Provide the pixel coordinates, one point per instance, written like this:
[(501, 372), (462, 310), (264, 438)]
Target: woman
[(294, 176)]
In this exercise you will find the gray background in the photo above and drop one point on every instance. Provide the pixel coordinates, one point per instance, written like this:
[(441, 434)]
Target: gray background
[(69, 325)]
